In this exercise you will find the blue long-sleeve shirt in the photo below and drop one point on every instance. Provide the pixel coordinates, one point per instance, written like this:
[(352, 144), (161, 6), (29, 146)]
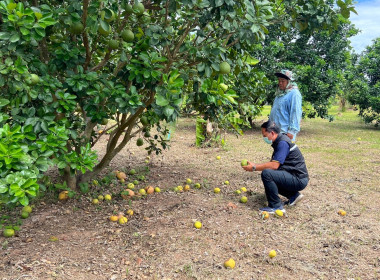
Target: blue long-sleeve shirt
[(287, 112)]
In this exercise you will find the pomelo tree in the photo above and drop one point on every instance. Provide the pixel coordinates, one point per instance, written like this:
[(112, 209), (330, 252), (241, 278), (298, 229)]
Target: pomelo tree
[(69, 69)]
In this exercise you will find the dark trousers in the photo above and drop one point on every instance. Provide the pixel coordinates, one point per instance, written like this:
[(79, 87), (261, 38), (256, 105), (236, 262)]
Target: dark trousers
[(281, 182)]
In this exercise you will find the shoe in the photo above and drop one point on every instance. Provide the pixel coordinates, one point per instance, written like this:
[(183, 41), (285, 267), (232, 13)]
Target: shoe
[(294, 199), (271, 210)]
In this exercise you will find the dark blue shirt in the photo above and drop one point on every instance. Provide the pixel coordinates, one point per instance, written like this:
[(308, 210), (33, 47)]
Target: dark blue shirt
[(281, 152)]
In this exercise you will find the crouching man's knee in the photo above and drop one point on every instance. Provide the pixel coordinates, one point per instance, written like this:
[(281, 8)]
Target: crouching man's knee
[(266, 174)]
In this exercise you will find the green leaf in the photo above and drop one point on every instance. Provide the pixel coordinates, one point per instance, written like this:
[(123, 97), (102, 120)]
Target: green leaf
[(14, 38), (4, 102), (168, 111), (161, 101), (4, 35)]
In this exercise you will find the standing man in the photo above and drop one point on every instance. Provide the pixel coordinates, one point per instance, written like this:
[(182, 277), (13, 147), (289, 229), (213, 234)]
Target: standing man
[(285, 174), (287, 106)]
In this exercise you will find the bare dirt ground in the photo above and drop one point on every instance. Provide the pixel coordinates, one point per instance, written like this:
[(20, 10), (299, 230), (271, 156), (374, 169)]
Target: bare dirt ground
[(76, 240)]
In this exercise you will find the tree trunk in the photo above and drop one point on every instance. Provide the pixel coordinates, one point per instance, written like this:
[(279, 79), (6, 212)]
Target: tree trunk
[(71, 181)]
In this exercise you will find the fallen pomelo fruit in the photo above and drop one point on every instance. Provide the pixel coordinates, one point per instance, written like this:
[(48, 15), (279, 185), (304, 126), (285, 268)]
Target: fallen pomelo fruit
[(243, 199), (142, 192), (130, 212), (186, 188), (100, 197), (123, 220), (342, 212), (216, 190), (63, 195), (149, 190), (8, 232), (279, 213), (243, 189), (272, 254), (114, 218), (107, 197), (226, 182), (188, 181), (238, 192), (27, 209), (197, 186), (229, 263), (95, 201), (197, 224), (131, 186), (157, 189), (265, 215), (24, 215), (217, 157)]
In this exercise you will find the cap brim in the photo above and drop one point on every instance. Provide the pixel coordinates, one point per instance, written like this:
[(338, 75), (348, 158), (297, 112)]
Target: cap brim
[(280, 75)]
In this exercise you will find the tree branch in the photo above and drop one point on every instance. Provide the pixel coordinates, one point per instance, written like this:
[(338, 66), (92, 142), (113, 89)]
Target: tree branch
[(85, 36), (102, 63)]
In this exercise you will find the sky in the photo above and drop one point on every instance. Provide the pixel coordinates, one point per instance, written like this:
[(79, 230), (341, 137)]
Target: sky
[(368, 21)]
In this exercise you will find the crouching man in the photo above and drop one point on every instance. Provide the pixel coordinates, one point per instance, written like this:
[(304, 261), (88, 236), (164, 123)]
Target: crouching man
[(285, 174)]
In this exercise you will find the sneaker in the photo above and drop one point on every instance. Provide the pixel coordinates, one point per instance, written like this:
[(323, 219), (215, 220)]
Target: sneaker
[(294, 199), (271, 210)]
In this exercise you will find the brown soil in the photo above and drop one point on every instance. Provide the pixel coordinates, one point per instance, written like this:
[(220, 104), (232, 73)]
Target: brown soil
[(76, 240)]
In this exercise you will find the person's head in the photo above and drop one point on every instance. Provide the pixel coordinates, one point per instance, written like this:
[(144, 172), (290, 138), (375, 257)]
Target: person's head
[(270, 131), (284, 77)]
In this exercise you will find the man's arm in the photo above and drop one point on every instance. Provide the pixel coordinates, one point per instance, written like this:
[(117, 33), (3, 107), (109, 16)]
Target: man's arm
[(295, 114), (260, 167)]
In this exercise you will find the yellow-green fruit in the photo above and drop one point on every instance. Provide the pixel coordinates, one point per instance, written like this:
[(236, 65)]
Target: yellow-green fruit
[(128, 9), (100, 197), (142, 191), (113, 44), (218, 157), (104, 32), (123, 220), (144, 120), (157, 189), (139, 142), (147, 134), (216, 190), (111, 18), (24, 215), (238, 192), (243, 199), (272, 254), (229, 263), (95, 201), (27, 209), (132, 172), (223, 86), (131, 186), (8, 232), (34, 79), (188, 181), (226, 182), (224, 67), (107, 197), (197, 224), (127, 35), (244, 162), (279, 213), (243, 189), (197, 186), (138, 8), (76, 28)]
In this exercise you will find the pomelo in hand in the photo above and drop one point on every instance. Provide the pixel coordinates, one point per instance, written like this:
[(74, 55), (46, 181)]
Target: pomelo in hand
[(244, 162), (229, 263)]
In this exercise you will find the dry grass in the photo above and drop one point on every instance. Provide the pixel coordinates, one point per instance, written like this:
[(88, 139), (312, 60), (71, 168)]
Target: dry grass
[(160, 242)]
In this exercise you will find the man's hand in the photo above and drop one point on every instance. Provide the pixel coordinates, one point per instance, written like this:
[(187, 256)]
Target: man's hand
[(249, 167)]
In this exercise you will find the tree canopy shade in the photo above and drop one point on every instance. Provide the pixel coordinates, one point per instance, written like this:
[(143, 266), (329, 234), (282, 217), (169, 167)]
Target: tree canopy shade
[(69, 66)]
